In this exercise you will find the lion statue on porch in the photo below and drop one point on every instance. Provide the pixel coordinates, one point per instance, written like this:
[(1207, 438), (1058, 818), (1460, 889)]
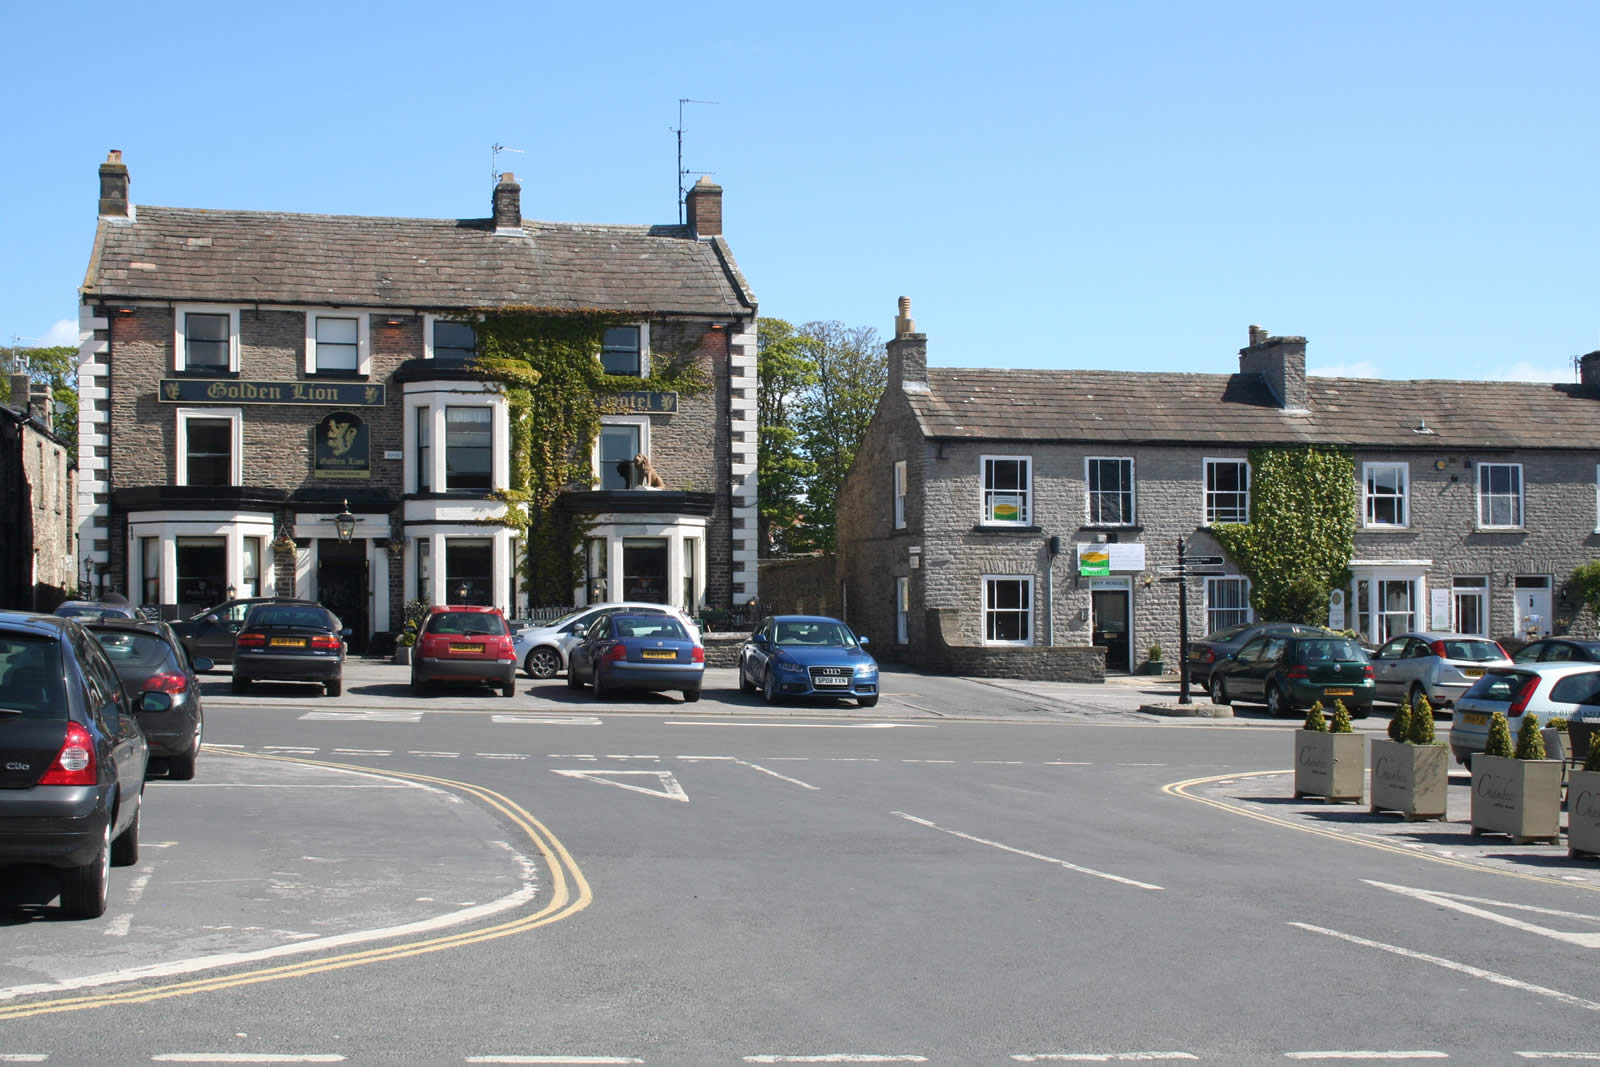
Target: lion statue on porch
[(645, 476)]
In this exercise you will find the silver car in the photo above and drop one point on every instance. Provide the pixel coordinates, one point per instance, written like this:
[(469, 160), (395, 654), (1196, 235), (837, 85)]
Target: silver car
[(1438, 665), (543, 650), (1548, 690)]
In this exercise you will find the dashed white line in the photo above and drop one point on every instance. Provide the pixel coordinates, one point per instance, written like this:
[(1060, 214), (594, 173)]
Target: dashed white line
[(23, 1057), (1559, 1055), (999, 762), (297, 750), (1102, 1057), (553, 1059), (1452, 965), (1029, 855), (434, 755), (1369, 1054), (927, 761), (119, 926), (363, 752), (839, 1057), (246, 1057), (501, 755)]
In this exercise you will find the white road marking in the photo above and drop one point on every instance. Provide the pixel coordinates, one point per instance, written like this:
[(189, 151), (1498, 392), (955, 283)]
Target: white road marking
[(501, 755), (23, 1057), (1459, 902), (570, 755), (546, 720), (434, 755), (783, 777), (999, 762), (119, 926), (1101, 1057), (697, 759), (363, 751), (1559, 1055), (613, 756), (362, 716), (838, 1057), (246, 1057), (1452, 965), (1068, 763), (927, 761), (1029, 855), (553, 1059), (298, 750), (850, 759), (190, 786), (817, 725), (1368, 1054), (670, 789)]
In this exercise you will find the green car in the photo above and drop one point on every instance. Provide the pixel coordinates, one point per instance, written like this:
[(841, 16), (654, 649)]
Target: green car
[(1290, 671)]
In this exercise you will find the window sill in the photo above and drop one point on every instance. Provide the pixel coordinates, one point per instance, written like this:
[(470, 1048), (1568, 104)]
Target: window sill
[(205, 373), (1386, 529), (1096, 527), (342, 375), (1500, 529), (997, 527)]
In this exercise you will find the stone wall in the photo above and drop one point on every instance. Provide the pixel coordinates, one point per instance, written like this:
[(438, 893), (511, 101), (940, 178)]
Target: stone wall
[(806, 585), (1061, 663)]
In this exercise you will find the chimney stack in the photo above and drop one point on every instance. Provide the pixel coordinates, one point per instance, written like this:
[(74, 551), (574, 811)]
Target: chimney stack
[(1281, 362), (907, 353), (39, 404), (21, 387), (507, 204), (114, 187), (1589, 370), (704, 208)]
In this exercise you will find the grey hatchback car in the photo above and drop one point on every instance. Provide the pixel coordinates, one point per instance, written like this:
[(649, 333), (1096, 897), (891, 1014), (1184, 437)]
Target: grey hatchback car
[(1439, 665)]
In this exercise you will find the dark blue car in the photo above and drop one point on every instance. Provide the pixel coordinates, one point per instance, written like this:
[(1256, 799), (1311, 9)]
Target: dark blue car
[(807, 656)]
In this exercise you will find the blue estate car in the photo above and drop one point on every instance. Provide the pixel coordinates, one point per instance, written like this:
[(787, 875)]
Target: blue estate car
[(807, 656)]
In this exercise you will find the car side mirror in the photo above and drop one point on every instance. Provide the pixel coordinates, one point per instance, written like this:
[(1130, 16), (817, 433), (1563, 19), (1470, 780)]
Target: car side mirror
[(863, 640), (759, 639), (154, 700), (203, 664), (346, 632), (212, 619)]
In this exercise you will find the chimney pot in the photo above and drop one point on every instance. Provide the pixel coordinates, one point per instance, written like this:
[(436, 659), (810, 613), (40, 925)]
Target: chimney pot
[(907, 353), (903, 323), (703, 208)]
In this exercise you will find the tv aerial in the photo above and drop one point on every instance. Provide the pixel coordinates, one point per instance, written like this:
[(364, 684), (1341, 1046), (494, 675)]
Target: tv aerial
[(682, 173), (494, 161)]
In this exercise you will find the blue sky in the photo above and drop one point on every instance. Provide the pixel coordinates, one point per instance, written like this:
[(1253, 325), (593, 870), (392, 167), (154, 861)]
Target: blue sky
[(1412, 186)]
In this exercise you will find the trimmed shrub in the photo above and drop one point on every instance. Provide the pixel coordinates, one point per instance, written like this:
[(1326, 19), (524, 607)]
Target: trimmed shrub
[(1591, 762), (1341, 719), (1530, 742), (1557, 723), (1498, 742), (1421, 730), (1400, 725), (1314, 719)]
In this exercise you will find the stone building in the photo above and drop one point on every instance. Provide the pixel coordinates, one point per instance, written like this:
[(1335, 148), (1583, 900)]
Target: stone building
[(38, 490), (1013, 522), (246, 378)]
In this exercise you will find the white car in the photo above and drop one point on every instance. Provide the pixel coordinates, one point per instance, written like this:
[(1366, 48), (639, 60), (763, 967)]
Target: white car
[(1548, 690), (542, 650)]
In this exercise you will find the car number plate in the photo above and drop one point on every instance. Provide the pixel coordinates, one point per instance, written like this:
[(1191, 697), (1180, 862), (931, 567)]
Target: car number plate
[(1474, 718), (1472, 672), (465, 648), (288, 642), (659, 653), (832, 679), (1338, 692)]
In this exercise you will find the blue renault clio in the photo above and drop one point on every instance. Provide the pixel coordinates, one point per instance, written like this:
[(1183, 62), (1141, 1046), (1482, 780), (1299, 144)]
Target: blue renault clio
[(807, 656)]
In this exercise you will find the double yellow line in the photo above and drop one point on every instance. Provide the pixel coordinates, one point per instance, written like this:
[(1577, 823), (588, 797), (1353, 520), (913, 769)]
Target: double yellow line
[(571, 894)]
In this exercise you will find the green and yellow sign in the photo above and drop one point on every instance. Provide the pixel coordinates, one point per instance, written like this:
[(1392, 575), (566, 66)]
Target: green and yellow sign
[(1093, 559), (234, 391)]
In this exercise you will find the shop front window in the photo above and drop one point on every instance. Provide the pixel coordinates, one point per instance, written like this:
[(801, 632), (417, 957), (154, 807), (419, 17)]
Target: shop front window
[(595, 560), (150, 568), (202, 573), (252, 568), (469, 571), (644, 569)]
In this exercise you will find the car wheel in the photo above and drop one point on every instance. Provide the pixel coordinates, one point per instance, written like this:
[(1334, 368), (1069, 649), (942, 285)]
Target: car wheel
[(691, 695), (1361, 711), (419, 687), (745, 684), (542, 662), (509, 689), (769, 688), (334, 688), (181, 768), (240, 685), (572, 679), (866, 702), (125, 848), (1219, 692), (1416, 695), (1276, 707), (83, 889), (599, 690)]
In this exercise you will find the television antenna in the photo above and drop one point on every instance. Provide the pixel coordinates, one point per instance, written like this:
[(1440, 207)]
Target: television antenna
[(679, 131), (494, 161)]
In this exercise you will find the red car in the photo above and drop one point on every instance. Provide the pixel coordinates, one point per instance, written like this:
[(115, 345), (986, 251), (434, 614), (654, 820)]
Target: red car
[(464, 644)]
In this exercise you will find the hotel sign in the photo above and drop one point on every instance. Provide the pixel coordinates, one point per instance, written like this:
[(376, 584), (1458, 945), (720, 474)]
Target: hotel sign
[(642, 402), (231, 391)]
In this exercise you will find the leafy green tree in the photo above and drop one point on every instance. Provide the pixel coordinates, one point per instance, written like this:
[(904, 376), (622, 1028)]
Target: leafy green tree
[(56, 367), (783, 375), (851, 368)]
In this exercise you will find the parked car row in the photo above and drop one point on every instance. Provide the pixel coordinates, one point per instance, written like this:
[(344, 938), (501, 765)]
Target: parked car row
[(84, 709)]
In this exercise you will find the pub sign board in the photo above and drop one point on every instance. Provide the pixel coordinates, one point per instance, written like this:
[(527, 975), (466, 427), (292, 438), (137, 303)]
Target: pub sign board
[(342, 447), (643, 402), (233, 391)]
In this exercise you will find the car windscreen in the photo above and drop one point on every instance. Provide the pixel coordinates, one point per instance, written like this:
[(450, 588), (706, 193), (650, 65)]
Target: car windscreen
[(134, 649), (1332, 650), (1473, 651), (466, 622), (30, 678), (1498, 685), (820, 634), (90, 611), (279, 615), (1217, 637), (661, 626)]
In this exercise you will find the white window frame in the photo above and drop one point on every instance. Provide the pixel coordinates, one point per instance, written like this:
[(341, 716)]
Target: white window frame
[(641, 421), (1027, 610), (363, 339), (1473, 587), (644, 349), (1521, 498), (899, 494), (180, 322), (181, 441), (1209, 464), (1404, 496), (1026, 492), (1211, 601), (1089, 494)]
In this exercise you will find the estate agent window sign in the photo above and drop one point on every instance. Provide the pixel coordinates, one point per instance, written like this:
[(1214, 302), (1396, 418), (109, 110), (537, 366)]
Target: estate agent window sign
[(342, 447)]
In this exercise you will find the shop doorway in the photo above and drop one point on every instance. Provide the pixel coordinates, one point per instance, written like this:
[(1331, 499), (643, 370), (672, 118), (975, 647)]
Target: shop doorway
[(342, 586), (1113, 623)]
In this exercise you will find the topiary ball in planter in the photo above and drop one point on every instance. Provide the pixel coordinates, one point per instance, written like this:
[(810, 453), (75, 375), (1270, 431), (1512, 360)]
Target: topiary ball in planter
[(1498, 743), (1400, 725), (1530, 742), (1341, 719), (1315, 720), (1420, 731)]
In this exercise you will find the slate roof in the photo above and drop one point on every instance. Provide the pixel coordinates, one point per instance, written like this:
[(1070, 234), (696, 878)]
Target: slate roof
[(1239, 410), (346, 260)]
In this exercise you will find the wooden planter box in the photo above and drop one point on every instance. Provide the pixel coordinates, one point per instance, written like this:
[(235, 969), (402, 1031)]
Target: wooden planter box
[(1332, 766), (1583, 813), (1410, 779), (1518, 797)]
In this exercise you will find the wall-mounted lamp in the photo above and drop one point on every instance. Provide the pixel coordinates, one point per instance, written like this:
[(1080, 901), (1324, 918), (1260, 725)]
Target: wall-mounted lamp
[(344, 523), (232, 592), (1563, 592), (125, 310), (1149, 580), (1083, 614)]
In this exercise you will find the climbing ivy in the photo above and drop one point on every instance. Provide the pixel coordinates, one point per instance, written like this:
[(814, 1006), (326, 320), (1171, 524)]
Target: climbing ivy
[(1298, 543), (548, 365)]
